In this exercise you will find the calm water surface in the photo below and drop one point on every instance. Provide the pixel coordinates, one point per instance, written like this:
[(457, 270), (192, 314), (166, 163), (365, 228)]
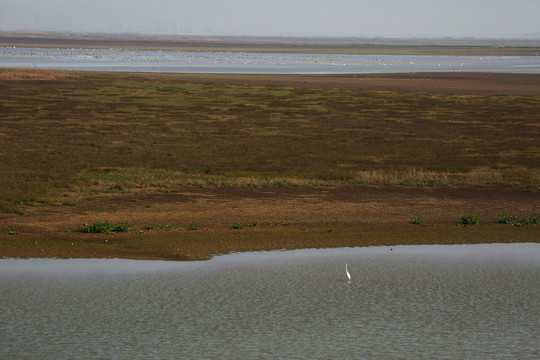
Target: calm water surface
[(224, 62), (405, 302)]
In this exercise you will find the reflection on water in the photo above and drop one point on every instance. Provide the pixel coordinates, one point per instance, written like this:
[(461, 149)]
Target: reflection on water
[(225, 62), (444, 302)]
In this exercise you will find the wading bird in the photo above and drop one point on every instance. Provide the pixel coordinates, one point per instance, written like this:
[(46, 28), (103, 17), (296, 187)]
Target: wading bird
[(347, 272)]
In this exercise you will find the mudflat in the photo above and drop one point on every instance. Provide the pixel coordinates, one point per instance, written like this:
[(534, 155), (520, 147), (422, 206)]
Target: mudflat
[(199, 165), (388, 46), (196, 223)]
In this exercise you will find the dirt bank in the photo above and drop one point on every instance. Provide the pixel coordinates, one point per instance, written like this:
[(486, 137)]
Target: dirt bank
[(287, 218)]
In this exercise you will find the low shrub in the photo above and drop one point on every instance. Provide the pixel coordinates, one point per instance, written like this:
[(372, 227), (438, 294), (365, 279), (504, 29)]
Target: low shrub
[(506, 219), (122, 227), (253, 223), (237, 226), (99, 227), (528, 221), (469, 220), (514, 220), (103, 227), (193, 227), (12, 231), (158, 227), (417, 221)]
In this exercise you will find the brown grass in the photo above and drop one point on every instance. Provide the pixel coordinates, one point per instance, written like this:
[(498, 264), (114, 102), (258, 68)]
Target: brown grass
[(31, 74), (347, 160)]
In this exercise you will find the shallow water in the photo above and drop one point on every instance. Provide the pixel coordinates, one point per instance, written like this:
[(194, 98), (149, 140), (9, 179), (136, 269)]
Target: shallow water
[(224, 62), (405, 302)]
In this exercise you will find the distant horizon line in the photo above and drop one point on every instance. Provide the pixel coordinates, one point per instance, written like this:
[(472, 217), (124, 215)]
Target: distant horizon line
[(526, 37)]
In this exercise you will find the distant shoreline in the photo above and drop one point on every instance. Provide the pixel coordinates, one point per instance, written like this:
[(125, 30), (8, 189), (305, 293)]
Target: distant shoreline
[(322, 45)]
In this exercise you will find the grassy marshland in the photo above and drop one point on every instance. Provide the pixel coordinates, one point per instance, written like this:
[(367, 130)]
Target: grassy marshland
[(69, 137), (118, 131)]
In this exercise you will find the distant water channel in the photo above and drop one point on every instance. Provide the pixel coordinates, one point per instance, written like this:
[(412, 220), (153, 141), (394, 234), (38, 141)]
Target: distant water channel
[(255, 63), (405, 302)]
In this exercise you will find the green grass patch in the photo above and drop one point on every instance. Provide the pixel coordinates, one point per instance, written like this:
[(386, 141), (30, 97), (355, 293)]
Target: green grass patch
[(254, 223), (98, 227), (237, 226), (507, 219), (103, 227), (469, 220), (516, 221), (122, 227)]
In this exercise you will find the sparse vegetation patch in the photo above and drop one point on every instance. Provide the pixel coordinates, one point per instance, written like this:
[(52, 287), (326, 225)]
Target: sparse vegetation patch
[(103, 227), (516, 221), (122, 227), (237, 226), (98, 227), (507, 219), (9, 207), (469, 220), (254, 223)]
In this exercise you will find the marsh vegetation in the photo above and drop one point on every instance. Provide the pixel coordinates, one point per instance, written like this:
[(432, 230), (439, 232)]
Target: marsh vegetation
[(205, 153), (102, 132)]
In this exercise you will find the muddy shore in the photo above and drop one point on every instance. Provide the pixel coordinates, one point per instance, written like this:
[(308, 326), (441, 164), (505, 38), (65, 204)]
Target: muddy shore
[(196, 223)]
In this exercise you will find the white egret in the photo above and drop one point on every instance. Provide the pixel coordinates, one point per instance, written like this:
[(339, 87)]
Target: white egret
[(347, 272)]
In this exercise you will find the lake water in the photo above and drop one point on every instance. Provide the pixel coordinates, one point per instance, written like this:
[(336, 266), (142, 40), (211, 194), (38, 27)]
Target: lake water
[(224, 62), (405, 302)]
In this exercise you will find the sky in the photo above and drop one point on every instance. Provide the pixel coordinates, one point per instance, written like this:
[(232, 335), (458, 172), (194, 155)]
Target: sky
[(341, 18)]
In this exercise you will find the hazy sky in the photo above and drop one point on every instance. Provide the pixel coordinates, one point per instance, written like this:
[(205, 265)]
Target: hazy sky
[(361, 18)]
